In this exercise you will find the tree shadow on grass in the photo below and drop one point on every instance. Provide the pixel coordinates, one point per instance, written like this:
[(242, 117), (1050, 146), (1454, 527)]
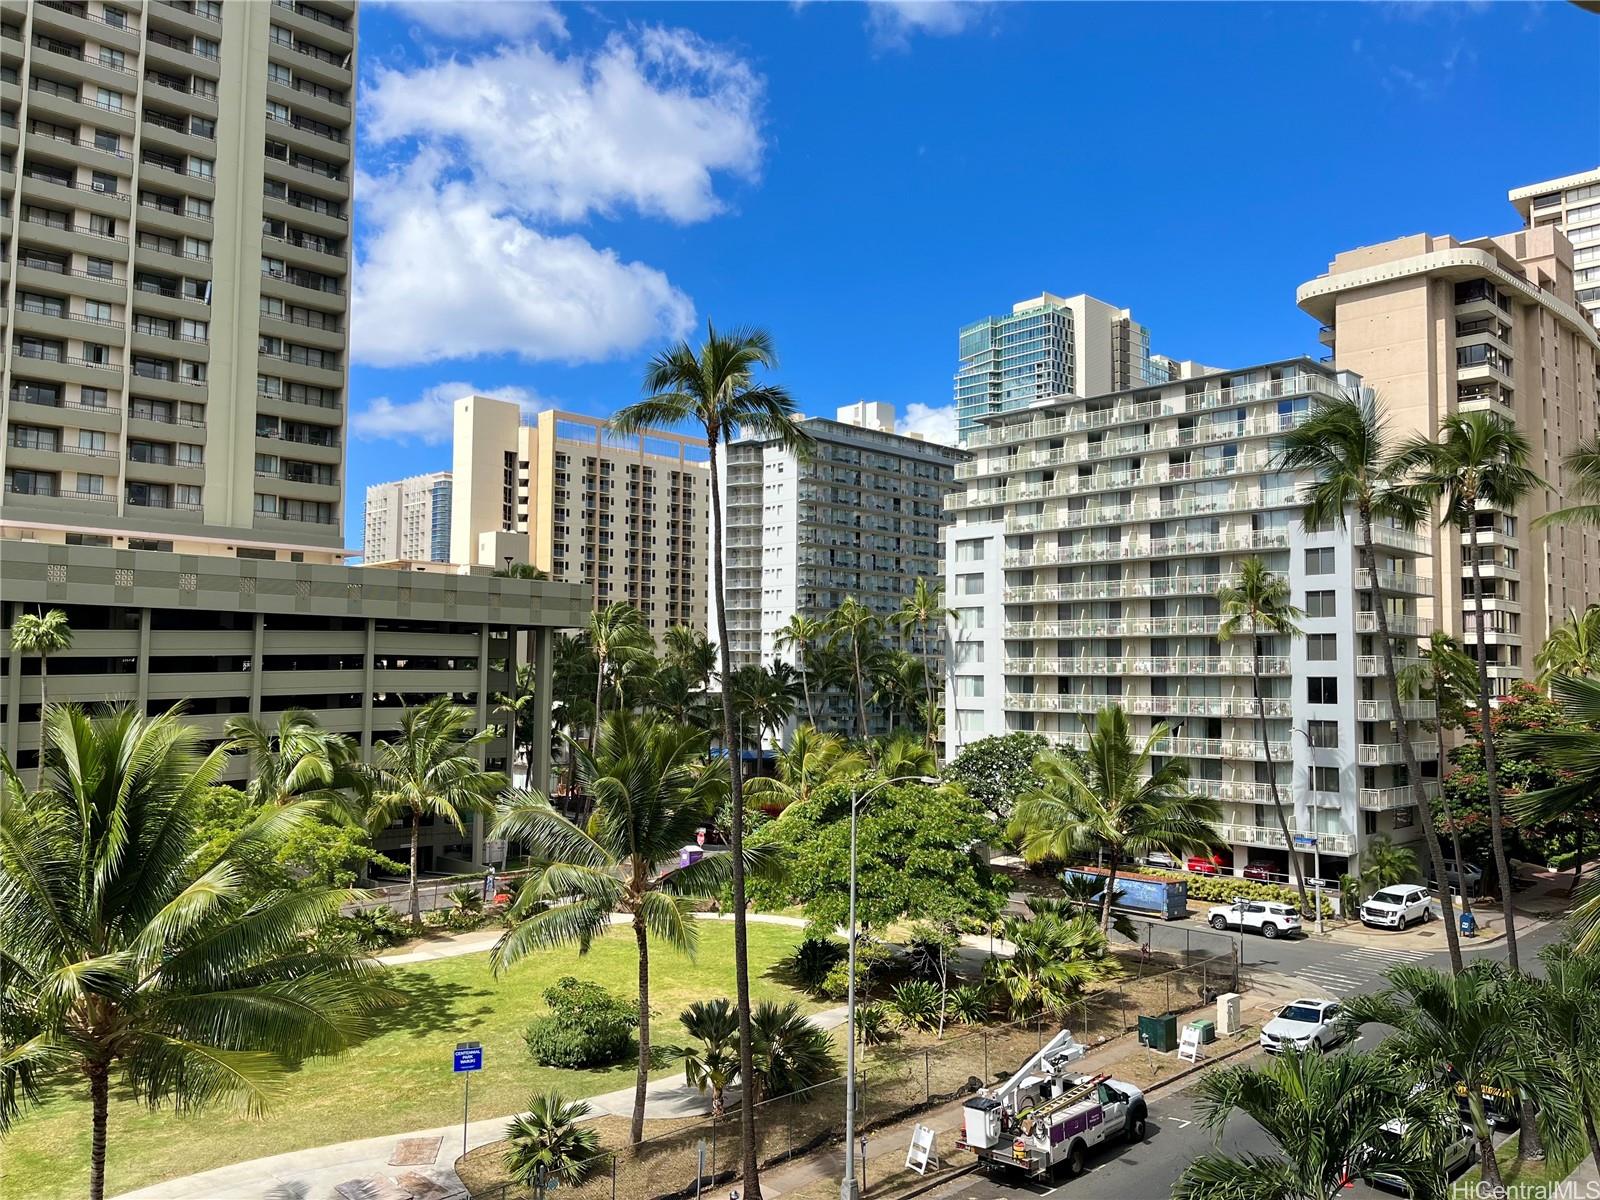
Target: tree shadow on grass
[(431, 1005)]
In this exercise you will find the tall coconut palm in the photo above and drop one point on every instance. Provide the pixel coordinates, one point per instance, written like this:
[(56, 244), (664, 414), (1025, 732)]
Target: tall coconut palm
[(125, 960), (516, 704), (1329, 1116), (857, 631), (617, 636), (1466, 1025), (1573, 647), (921, 612), (430, 770), (900, 687), (1449, 678), (799, 635), (811, 759), (1258, 606), (43, 634), (295, 759), (765, 700), (1345, 444), (715, 389), (692, 652), (1113, 798), (649, 797), (1479, 458)]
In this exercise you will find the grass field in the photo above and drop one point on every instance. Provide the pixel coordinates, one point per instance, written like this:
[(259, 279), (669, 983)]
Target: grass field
[(1524, 1180), (399, 1079)]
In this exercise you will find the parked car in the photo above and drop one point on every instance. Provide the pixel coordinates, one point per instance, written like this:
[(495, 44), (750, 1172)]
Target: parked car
[(1267, 917), (1463, 877), (1303, 1025), (1458, 1154), (1261, 870), (1160, 858), (1209, 864), (1397, 907)]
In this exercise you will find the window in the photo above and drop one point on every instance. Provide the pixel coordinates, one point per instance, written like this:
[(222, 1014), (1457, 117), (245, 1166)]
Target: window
[(1324, 779), (969, 619), (192, 372), (106, 98), (278, 73), (971, 585), (187, 495), (194, 331), (194, 206), (103, 225), (1320, 561), (277, 112), (1322, 689), (91, 439), (92, 485), (97, 311), (105, 139), (115, 17), (203, 127), (1320, 604), (114, 59), (191, 456), (1322, 647), (99, 268), (266, 504), (196, 248), (207, 48), (1323, 735), (202, 168), (101, 182), (970, 550), (93, 397), (969, 686)]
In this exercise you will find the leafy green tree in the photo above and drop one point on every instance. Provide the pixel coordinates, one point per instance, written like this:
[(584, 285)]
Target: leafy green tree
[(915, 855), (650, 796), (1055, 955), (1326, 1114), (998, 770), (126, 958), (1114, 798), (921, 619), (318, 853), (1256, 606), (520, 570), (899, 682), (1478, 458), (715, 389), (1573, 647), (792, 1052), (43, 634), (550, 1143), (429, 770), (711, 1061), (1345, 446), (1383, 863), (1466, 1027), (810, 760), (858, 632), (799, 635)]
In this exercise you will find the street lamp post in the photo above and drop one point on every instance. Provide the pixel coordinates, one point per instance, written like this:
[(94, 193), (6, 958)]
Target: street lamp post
[(848, 1188), (1316, 852)]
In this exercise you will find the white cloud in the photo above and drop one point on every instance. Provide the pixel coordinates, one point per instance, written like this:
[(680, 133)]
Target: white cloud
[(445, 274), (464, 19), (431, 416), (646, 122), (892, 22), (935, 424)]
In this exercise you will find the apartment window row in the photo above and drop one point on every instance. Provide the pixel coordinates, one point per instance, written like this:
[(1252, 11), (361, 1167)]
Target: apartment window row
[(197, 207), (297, 393), (308, 356), (274, 227), (284, 115), (277, 189), (282, 152), (193, 85), (314, 512), (272, 306), (283, 74), (300, 277), (173, 287)]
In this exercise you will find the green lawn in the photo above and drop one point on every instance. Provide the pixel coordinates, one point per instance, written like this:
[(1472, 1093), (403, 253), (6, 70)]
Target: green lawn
[(399, 1079), (1524, 1181)]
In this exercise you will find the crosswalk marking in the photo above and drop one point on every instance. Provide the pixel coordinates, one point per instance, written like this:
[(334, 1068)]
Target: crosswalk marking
[(1359, 967)]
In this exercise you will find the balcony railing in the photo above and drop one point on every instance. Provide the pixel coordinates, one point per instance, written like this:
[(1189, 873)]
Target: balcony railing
[(1382, 710), (1386, 799), (1225, 543), (1400, 624), (1396, 581), (1109, 481), (1270, 835), (1388, 754), (1114, 627), (1196, 664)]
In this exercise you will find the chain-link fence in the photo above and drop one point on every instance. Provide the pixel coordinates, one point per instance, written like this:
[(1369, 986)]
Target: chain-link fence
[(893, 1082)]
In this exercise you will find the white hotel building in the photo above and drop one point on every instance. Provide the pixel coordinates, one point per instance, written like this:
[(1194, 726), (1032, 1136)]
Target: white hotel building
[(1089, 541)]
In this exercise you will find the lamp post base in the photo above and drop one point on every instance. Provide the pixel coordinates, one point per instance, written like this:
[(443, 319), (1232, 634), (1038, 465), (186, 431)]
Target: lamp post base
[(848, 1190)]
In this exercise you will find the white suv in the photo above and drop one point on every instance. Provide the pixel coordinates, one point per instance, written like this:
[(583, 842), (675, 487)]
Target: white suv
[(1397, 907), (1267, 917), (1307, 1024)]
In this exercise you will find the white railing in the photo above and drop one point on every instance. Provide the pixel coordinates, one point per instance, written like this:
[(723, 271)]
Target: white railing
[(1388, 754), (1113, 627), (1198, 664), (1271, 835), (1204, 706), (1395, 581), (1371, 665), (1251, 463), (1117, 589), (1225, 543), (1382, 710), (1150, 510), (1408, 626), (1191, 747), (1385, 799), (1399, 539), (1238, 790)]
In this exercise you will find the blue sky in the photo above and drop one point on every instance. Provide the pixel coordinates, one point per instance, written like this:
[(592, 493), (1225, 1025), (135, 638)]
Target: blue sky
[(548, 194)]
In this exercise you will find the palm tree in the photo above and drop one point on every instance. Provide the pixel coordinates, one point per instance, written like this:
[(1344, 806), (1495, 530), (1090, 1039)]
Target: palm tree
[(1464, 1027), (1568, 1004), (711, 1064), (43, 634), (650, 797), (1330, 1116), (691, 651), (1258, 604), (1582, 468), (1383, 864), (124, 958), (858, 629), (1344, 444), (520, 570), (522, 699), (1573, 647), (618, 636), (1480, 458), (799, 635), (1449, 678), (899, 686), (715, 388), (1055, 955), (296, 759), (1113, 797), (923, 609), (429, 770), (550, 1142), (811, 759), (766, 699), (902, 756), (792, 1053)]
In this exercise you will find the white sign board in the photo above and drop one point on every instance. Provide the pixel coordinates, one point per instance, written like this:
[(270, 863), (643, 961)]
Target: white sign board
[(920, 1156), (1189, 1045), (494, 850)]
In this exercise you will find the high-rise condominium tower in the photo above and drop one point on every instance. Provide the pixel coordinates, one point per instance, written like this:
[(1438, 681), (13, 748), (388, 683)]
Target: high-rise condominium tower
[(1087, 551), (176, 192), (1439, 326), (625, 517), (1572, 205), (408, 521), (1046, 347)]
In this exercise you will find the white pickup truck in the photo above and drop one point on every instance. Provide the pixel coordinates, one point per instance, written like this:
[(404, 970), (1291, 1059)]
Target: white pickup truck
[(1267, 917)]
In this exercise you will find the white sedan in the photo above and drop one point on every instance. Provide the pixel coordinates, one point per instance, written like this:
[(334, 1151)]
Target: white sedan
[(1303, 1025)]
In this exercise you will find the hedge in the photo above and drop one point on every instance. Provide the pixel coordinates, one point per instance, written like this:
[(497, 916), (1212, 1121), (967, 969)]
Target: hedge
[(1221, 889)]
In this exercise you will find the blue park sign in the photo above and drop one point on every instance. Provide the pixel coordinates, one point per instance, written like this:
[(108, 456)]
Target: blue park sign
[(468, 1056)]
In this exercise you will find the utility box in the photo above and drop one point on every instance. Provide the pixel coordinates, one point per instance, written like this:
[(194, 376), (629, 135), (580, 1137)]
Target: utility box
[(1159, 1033), (1228, 1013), (1206, 1029)]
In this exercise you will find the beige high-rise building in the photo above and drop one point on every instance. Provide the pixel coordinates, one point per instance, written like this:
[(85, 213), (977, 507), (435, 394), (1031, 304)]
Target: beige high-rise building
[(408, 520), (176, 191), (1438, 326), (625, 517), (1572, 205)]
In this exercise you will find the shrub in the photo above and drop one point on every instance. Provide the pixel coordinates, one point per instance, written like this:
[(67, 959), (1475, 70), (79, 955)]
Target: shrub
[(467, 898), (374, 929), (872, 1024), (997, 770), (813, 958), (1220, 889), (916, 1004), (587, 1026), (871, 959), (968, 1004)]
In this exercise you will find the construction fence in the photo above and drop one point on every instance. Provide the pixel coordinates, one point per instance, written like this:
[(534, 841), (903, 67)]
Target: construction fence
[(893, 1081)]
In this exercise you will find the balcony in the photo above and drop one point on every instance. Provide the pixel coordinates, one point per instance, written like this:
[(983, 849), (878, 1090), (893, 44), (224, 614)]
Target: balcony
[(1382, 710), (1245, 748), (1396, 582), (1059, 518), (1389, 754), (1270, 835), (1370, 666), (1199, 664), (1115, 627), (1392, 537), (1224, 543), (1390, 798), (1237, 790), (1399, 624)]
